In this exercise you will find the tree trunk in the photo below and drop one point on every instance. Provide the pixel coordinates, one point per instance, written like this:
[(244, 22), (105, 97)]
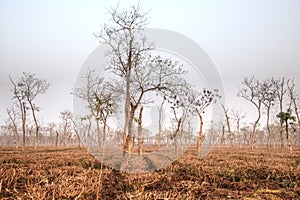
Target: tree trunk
[(175, 135), (238, 133), (56, 139), (288, 137), (140, 132), (36, 143), (228, 126), (129, 139), (24, 123), (223, 136), (281, 134), (98, 133), (268, 129), (253, 137), (160, 120), (200, 134)]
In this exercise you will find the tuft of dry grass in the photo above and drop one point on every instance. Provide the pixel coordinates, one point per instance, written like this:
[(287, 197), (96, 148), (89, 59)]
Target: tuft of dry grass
[(71, 173)]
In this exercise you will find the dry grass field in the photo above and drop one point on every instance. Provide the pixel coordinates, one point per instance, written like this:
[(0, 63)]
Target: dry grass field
[(71, 173)]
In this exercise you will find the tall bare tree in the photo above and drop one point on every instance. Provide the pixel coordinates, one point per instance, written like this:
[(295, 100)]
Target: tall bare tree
[(281, 94), (251, 91), (128, 47), (269, 91), (25, 91), (158, 75), (19, 95)]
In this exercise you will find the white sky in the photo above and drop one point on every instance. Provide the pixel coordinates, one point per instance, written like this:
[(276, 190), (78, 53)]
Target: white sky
[(53, 38)]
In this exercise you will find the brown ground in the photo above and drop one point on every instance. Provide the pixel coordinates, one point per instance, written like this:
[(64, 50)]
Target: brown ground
[(70, 173)]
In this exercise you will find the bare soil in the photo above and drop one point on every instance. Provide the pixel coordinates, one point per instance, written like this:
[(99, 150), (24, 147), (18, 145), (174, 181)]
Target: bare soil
[(225, 173)]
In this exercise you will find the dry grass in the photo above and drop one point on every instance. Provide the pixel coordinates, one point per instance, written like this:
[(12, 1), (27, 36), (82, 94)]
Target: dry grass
[(70, 173)]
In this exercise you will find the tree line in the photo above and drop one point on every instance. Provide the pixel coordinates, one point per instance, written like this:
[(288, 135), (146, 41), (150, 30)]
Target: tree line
[(137, 80)]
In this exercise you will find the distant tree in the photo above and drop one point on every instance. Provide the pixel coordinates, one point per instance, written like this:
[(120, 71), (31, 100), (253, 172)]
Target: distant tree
[(203, 100), (281, 96), (19, 95), (51, 128), (228, 125), (294, 100), (13, 123), (161, 118), (251, 91), (67, 125), (284, 118), (238, 115), (101, 99)]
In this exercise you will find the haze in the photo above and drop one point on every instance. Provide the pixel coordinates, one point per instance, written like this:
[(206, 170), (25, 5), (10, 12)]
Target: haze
[(53, 38)]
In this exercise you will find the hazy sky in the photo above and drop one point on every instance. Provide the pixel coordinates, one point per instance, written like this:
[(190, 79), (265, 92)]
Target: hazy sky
[(53, 38)]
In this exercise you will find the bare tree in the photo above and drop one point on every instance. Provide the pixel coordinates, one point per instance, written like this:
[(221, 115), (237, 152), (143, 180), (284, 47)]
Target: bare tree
[(294, 100), (203, 100), (25, 91), (128, 47), (74, 121), (66, 124), (140, 127), (251, 91), (228, 125), (51, 128), (101, 100), (32, 87), (281, 94), (19, 95), (269, 91), (13, 121), (160, 121), (161, 76), (238, 115)]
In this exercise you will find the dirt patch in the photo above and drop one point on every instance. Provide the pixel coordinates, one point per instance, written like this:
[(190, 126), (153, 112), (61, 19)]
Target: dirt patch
[(60, 173)]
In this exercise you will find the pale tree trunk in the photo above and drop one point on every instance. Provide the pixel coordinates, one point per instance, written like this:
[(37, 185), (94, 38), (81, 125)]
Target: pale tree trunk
[(129, 139), (12, 116), (36, 144), (160, 120), (238, 133), (127, 93), (50, 137), (140, 132), (56, 139), (228, 126), (280, 96), (69, 139), (268, 129), (199, 140), (24, 123), (253, 136), (98, 133), (288, 137), (175, 135)]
